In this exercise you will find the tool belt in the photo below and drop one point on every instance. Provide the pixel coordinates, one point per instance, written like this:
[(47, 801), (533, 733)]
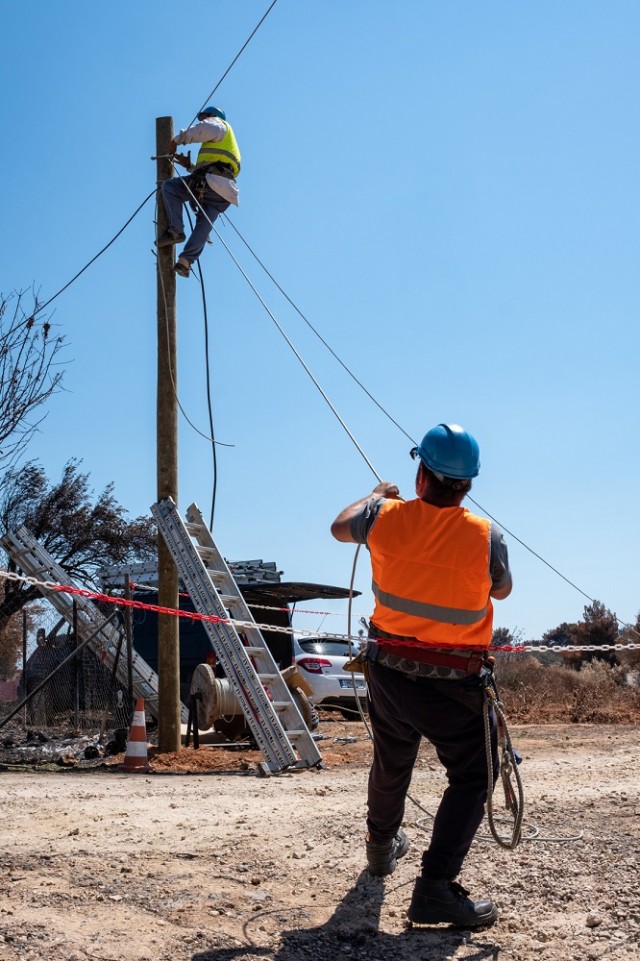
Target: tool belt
[(417, 660), (199, 175), (198, 180), (221, 169)]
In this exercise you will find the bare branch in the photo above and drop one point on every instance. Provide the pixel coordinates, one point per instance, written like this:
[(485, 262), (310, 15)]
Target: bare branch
[(29, 356)]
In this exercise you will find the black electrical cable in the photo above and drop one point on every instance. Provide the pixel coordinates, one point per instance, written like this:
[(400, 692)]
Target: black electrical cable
[(191, 424), (212, 436), (99, 254), (209, 405), (535, 554), (237, 56)]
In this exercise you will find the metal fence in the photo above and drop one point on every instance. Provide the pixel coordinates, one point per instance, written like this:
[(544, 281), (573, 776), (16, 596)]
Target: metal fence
[(63, 701)]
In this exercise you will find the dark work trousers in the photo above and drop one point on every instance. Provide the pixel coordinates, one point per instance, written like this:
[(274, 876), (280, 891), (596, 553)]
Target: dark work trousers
[(449, 714), (175, 193)]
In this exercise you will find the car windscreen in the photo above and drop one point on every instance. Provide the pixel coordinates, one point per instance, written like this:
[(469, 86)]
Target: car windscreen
[(330, 648)]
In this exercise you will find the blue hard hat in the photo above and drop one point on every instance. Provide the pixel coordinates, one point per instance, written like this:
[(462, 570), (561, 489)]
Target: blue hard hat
[(449, 451), (213, 112)]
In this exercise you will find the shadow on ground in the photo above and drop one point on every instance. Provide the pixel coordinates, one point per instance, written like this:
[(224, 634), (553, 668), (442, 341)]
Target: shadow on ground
[(351, 932)]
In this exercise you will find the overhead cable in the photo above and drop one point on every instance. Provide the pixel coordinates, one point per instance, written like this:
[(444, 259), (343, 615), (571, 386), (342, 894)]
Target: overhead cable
[(302, 362), (381, 408), (317, 332), (99, 254), (237, 56)]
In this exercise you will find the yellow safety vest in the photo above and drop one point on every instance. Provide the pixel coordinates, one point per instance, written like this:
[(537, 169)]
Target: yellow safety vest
[(221, 151)]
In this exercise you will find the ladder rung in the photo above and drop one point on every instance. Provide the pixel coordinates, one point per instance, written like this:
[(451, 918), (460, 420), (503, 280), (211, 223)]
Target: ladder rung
[(252, 651), (268, 677), (227, 599), (239, 604), (19, 556), (206, 552), (296, 735), (193, 529)]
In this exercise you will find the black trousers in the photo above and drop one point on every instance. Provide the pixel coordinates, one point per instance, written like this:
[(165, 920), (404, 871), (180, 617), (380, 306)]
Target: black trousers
[(449, 715)]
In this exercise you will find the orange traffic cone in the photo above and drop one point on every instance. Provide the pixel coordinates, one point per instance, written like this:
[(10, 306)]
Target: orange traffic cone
[(136, 758)]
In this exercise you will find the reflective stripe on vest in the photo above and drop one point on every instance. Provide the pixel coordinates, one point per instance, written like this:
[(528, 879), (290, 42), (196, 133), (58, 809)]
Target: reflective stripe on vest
[(224, 151), (447, 615), (431, 577)]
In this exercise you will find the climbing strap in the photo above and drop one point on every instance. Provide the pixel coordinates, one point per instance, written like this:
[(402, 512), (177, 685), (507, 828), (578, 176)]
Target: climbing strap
[(509, 761)]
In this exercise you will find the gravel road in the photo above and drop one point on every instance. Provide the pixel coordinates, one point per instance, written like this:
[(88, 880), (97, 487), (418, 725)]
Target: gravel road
[(227, 865)]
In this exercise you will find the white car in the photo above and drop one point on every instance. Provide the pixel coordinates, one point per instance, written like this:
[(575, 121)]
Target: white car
[(321, 662)]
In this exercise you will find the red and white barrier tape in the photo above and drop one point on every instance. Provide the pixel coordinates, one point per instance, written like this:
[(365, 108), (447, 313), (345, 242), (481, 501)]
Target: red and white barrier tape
[(278, 629)]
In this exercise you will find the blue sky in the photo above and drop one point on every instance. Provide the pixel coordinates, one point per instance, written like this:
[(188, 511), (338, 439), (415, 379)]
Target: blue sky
[(449, 194)]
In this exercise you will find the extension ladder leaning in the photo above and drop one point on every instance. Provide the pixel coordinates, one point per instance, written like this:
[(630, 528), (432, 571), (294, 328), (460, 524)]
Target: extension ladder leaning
[(262, 693), (36, 562)]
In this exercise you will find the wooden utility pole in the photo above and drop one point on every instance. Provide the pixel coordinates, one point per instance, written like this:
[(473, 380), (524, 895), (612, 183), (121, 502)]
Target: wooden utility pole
[(167, 461)]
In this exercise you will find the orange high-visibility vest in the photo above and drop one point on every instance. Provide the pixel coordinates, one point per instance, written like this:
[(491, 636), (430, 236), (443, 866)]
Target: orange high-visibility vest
[(431, 575)]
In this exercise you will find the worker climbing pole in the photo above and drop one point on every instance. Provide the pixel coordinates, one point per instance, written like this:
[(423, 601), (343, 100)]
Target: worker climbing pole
[(209, 188)]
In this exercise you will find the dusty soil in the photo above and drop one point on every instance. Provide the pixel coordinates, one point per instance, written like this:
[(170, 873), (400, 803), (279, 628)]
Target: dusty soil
[(222, 864)]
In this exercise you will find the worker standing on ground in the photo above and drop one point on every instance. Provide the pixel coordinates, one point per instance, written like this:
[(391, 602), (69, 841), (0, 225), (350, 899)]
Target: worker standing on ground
[(435, 568), (211, 188)]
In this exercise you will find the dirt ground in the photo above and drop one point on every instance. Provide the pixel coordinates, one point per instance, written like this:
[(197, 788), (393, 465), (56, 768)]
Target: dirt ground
[(222, 864)]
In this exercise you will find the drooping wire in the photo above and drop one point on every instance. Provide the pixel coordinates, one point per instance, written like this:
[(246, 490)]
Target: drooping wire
[(99, 254), (237, 56), (206, 437), (381, 408), (214, 453), (207, 367)]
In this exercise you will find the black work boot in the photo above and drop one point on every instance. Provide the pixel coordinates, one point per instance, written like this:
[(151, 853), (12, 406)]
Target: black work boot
[(382, 858), (182, 267), (170, 237), (437, 902)]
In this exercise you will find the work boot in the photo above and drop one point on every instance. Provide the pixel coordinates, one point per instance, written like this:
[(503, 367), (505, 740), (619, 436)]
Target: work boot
[(437, 902), (382, 858), (183, 267), (170, 237)]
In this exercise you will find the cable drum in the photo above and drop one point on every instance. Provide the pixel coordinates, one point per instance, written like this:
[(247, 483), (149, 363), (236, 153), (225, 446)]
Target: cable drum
[(214, 697), (216, 700)]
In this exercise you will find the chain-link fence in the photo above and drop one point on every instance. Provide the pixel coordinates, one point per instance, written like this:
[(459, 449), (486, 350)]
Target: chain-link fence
[(62, 700)]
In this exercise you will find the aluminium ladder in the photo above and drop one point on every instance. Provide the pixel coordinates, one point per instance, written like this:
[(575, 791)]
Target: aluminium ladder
[(36, 562), (262, 693)]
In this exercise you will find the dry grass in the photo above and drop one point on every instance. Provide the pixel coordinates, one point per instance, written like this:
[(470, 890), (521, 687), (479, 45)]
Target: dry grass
[(533, 692)]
